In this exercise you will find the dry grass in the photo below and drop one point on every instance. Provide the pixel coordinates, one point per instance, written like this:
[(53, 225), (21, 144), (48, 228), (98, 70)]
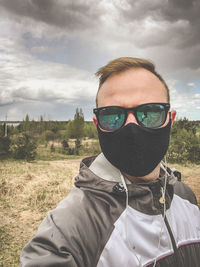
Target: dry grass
[(29, 190), (190, 176)]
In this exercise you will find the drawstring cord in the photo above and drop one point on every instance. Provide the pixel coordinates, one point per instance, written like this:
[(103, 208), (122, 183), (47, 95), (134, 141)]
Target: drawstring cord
[(163, 201), (163, 191), (126, 221)]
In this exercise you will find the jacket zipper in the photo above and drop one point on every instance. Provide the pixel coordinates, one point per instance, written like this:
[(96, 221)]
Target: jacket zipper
[(170, 232), (173, 242)]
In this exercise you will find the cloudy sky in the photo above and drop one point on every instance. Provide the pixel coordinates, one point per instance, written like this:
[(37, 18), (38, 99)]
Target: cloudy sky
[(50, 50)]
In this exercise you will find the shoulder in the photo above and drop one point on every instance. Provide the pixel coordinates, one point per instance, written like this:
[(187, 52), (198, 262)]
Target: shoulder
[(185, 192), (83, 209), (72, 210), (72, 232), (85, 221)]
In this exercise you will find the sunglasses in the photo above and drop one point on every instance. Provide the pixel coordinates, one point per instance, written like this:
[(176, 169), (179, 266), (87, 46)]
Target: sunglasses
[(151, 115)]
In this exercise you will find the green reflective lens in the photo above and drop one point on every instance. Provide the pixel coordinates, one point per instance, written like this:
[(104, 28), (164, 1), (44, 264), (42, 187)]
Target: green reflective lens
[(151, 115), (112, 118)]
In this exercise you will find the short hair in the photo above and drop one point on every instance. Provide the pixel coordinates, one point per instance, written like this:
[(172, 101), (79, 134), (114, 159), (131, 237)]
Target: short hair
[(122, 64)]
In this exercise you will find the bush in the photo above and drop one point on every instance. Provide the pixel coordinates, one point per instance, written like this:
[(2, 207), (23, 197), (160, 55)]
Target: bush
[(65, 144), (77, 146), (184, 144), (70, 151), (24, 148), (4, 147), (90, 148), (90, 130), (49, 135), (52, 148)]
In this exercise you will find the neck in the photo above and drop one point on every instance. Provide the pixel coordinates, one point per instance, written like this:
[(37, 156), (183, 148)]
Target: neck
[(147, 178)]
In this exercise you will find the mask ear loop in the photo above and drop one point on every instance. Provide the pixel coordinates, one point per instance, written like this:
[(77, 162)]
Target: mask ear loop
[(126, 220), (163, 201)]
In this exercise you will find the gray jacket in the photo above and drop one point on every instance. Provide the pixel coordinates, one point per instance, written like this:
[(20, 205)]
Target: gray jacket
[(101, 224)]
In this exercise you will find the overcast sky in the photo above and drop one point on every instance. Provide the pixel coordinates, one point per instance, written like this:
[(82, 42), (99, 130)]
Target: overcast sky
[(50, 50)]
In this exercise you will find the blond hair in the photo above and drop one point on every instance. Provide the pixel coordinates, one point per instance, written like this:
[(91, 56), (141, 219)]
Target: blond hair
[(125, 63)]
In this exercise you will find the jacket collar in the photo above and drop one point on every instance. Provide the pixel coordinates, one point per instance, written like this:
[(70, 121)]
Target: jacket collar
[(94, 175), (97, 172), (104, 169), (101, 167)]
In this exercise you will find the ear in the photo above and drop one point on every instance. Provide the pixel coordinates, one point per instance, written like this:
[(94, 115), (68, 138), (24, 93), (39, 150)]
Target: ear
[(95, 121), (173, 115)]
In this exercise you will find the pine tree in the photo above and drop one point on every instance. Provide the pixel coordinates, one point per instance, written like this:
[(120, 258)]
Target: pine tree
[(75, 127)]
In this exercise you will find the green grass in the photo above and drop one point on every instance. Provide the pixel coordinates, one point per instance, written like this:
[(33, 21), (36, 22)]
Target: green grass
[(88, 147), (44, 153)]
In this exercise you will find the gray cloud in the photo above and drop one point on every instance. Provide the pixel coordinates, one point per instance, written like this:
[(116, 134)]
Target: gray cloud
[(181, 18), (181, 9), (71, 15), (170, 10)]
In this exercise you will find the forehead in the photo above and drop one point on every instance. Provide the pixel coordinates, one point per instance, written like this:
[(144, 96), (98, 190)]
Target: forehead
[(131, 88)]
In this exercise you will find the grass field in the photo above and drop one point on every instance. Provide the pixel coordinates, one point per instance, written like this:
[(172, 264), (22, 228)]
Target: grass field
[(29, 190)]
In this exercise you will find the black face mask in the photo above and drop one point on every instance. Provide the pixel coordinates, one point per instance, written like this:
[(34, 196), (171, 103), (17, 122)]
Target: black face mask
[(133, 149)]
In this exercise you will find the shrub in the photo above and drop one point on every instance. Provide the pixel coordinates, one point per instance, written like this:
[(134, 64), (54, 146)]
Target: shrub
[(184, 144), (90, 148), (52, 148), (77, 146), (24, 148), (65, 145), (90, 130), (49, 135), (4, 147)]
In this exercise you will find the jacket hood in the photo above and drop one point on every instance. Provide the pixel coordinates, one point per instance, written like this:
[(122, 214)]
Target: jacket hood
[(148, 194)]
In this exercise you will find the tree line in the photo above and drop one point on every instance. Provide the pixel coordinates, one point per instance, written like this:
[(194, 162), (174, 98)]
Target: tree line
[(22, 141), (184, 142)]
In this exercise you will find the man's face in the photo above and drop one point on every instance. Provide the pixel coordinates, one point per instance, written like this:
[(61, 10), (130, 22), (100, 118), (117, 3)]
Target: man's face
[(132, 88)]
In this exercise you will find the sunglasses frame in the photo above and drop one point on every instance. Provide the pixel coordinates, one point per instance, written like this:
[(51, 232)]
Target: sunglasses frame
[(134, 110)]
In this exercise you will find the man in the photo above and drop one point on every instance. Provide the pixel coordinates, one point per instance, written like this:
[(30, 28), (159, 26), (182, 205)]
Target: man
[(126, 209)]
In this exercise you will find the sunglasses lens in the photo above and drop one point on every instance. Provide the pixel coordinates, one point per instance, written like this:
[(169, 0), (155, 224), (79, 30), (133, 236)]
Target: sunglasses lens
[(111, 118), (151, 115)]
